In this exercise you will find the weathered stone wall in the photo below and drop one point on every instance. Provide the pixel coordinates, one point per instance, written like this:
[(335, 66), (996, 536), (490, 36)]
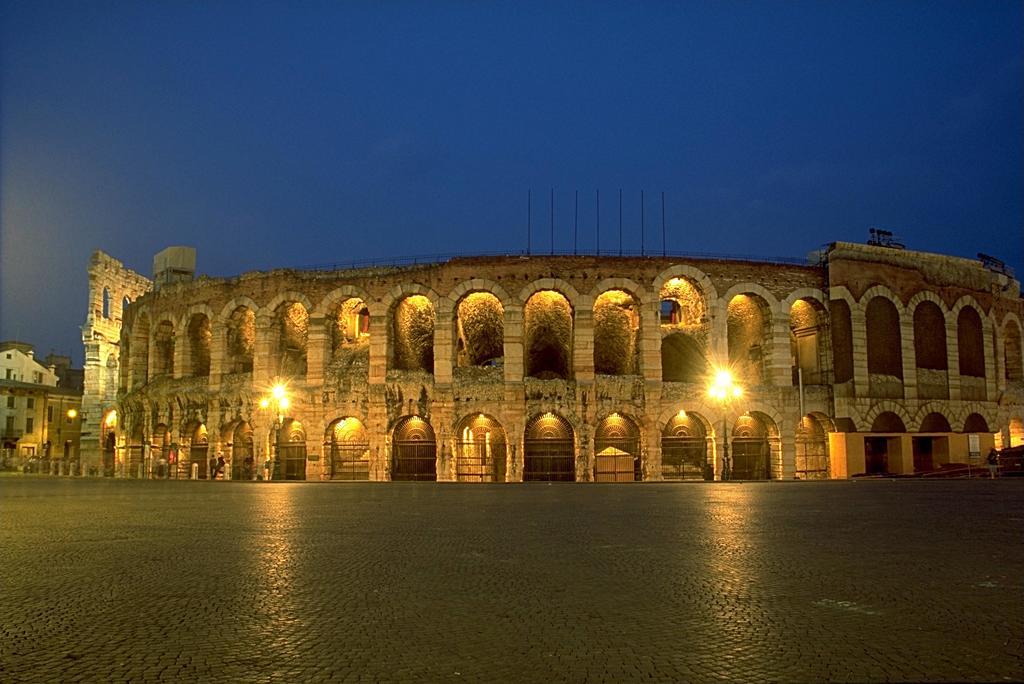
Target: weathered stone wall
[(410, 363)]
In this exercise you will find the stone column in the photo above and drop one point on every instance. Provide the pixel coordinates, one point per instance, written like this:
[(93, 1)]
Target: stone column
[(909, 357), (583, 342), (378, 349), (218, 355), (650, 344), (780, 371), (993, 379), (953, 360), (513, 344), (859, 333), (317, 350), (264, 365), (787, 445), (443, 342)]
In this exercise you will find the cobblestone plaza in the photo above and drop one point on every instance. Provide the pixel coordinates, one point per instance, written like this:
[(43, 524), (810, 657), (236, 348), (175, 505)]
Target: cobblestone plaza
[(114, 580)]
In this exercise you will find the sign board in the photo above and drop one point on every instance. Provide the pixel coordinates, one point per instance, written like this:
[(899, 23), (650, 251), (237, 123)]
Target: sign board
[(974, 447)]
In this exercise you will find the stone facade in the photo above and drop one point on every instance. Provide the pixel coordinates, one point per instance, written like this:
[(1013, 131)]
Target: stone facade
[(486, 368)]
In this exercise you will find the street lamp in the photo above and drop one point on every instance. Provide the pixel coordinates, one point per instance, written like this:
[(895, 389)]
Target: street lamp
[(723, 390), (279, 400)]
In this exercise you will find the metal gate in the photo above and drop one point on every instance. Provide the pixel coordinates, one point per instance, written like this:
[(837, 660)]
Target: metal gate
[(749, 458), (291, 461), (480, 461), (199, 454), (414, 460), (350, 460), (811, 459), (549, 460), (685, 458), (630, 445)]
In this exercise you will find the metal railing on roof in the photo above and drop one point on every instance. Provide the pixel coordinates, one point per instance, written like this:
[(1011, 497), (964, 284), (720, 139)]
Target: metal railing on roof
[(433, 259)]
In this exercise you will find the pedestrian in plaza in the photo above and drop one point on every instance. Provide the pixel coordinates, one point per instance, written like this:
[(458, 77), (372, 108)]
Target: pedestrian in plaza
[(213, 468), (220, 466), (267, 469), (993, 463), (248, 465)]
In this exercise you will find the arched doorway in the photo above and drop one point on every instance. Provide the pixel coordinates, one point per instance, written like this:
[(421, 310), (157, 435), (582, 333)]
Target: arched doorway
[(413, 450), (160, 452), (811, 449), (243, 459), (136, 452), (108, 459), (617, 450), (348, 449), (199, 452), (750, 451), (548, 453), (684, 449), (291, 451), (480, 450)]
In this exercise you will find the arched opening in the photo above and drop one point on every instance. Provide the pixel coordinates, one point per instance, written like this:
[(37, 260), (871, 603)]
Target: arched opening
[(885, 355), (1013, 363), (479, 331), (930, 351), (617, 450), (684, 449), (751, 453), (108, 431), (811, 449), (241, 340), (124, 307), (749, 333), (480, 449), (199, 338), (242, 454), (882, 455), (106, 303), (842, 340), (976, 423), (163, 358), (887, 421), (350, 340), (549, 331), (291, 451), (807, 347), (682, 306), (931, 450), (413, 450), (136, 454), (140, 351), (412, 335), (548, 452), (971, 343), (682, 359), (348, 447), (199, 452), (616, 334), (160, 452), (293, 334)]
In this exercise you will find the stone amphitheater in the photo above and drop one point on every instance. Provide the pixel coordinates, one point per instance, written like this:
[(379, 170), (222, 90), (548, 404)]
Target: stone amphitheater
[(866, 359)]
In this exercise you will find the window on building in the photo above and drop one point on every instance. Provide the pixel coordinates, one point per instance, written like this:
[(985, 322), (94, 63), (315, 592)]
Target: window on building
[(10, 374), (37, 377), (30, 402), (29, 425), (10, 401), (49, 414)]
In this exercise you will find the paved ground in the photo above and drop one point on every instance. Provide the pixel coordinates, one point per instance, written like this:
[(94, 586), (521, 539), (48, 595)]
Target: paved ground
[(891, 580)]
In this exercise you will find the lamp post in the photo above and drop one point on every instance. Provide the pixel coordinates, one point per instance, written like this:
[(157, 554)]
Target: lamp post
[(279, 400), (723, 390)]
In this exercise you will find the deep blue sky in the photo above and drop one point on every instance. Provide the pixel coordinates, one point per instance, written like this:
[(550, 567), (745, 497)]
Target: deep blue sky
[(281, 134)]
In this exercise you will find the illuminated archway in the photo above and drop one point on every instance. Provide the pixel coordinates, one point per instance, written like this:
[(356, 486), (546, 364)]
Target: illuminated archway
[(548, 325), (811, 449), (412, 334), (199, 338), (291, 451), (242, 455), (480, 449), (617, 449), (413, 450), (199, 451), (684, 448), (749, 338), (616, 334), (241, 340), (347, 446), (479, 330), (548, 450), (751, 453)]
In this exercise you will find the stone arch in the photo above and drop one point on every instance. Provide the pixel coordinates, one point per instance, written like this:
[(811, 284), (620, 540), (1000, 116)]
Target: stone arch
[(338, 295), (413, 449), (811, 447), (684, 446), (752, 435), (548, 333), (882, 291), (479, 285), (970, 335), (617, 432), (888, 421), (808, 340), (555, 284), (977, 423), (934, 421), (749, 335), (807, 293), (163, 346), (199, 334), (347, 449), (617, 329), (270, 309), (1013, 361), (1016, 431), (290, 438), (479, 329), (751, 288), (549, 449), (241, 454), (481, 449), (884, 338), (694, 275), (868, 419), (231, 306), (630, 287)]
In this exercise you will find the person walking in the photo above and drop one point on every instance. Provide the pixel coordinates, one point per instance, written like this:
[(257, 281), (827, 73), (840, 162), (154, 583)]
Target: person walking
[(993, 463), (213, 468), (221, 464)]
